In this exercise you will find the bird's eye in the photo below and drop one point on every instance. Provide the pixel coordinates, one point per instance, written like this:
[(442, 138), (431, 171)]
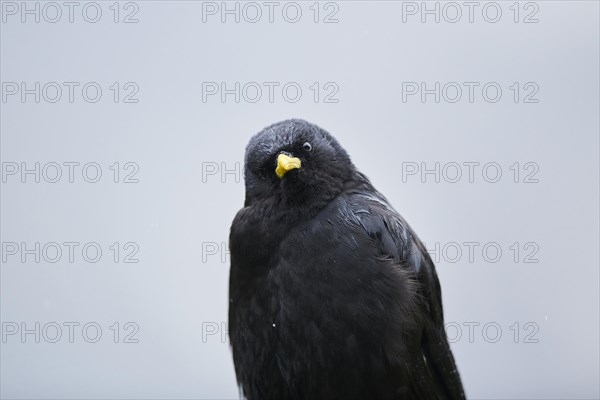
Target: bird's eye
[(307, 146)]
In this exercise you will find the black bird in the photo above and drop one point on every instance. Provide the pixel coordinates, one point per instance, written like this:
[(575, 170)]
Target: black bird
[(332, 295)]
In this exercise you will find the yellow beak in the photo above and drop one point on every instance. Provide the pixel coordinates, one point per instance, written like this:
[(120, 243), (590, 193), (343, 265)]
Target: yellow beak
[(285, 164)]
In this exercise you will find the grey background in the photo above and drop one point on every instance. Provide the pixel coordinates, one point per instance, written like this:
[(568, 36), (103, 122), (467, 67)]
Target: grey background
[(172, 294)]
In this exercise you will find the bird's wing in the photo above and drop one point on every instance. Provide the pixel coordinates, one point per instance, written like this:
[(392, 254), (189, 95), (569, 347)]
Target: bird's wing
[(397, 240)]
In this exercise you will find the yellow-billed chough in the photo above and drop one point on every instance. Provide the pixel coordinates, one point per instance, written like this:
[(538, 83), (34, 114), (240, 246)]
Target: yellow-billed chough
[(332, 295)]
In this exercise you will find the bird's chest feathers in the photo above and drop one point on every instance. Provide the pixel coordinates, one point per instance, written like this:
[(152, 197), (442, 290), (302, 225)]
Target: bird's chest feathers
[(311, 286), (310, 273)]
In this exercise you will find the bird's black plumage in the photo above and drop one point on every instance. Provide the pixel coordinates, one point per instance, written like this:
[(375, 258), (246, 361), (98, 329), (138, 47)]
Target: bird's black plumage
[(332, 295)]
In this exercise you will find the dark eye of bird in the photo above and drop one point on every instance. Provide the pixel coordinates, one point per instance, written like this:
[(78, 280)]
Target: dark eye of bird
[(307, 146), (264, 170)]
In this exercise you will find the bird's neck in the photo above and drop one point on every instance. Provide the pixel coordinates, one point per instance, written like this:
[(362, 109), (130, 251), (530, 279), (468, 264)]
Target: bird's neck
[(290, 208)]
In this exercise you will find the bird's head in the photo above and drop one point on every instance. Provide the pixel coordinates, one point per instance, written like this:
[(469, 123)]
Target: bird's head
[(295, 163)]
